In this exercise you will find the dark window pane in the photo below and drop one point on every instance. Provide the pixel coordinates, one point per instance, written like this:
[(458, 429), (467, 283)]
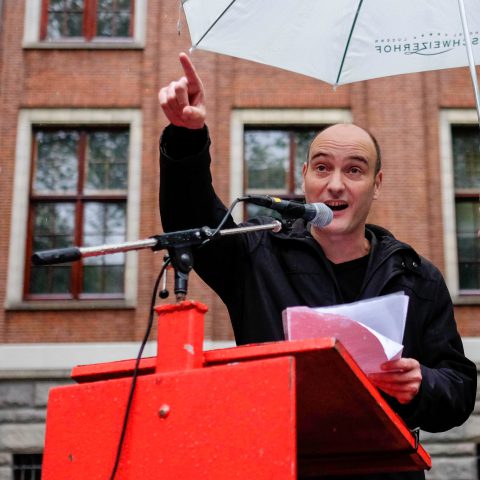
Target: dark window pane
[(468, 224), (104, 219), (303, 139), (50, 280), (54, 28), (467, 215), (113, 275), (56, 5), (65, 19), (74, 25), (113, 18), (115, 219), (54, 224), (466, 155), (104, 223), (53, 228), (467, 247), (60, 278), (92, 281), (27, 466), (39, 279), (103, 279), (267, 159), (469, 274), (107, 161), (113, 25), (57, 161)]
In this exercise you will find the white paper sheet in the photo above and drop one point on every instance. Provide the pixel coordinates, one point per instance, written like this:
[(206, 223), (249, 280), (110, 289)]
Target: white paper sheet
[(371, 330)]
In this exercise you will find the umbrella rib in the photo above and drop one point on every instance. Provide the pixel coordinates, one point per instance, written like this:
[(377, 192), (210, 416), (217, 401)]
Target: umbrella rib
[(348, 42), (215, 22), (471, 59)]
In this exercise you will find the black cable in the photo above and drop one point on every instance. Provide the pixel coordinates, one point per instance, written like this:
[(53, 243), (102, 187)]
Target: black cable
[(146, 336), (224, 219), (136, 369)]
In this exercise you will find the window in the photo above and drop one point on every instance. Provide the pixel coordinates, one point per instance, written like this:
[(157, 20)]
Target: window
[(466, 168), (460, 182), (274, 156), (86, 18), (77, 182), (78, 197), (90, 24), (27, 466)]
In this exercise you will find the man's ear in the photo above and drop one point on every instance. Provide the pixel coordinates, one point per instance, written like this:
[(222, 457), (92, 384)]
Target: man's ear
[(378, 184), (304, 172)]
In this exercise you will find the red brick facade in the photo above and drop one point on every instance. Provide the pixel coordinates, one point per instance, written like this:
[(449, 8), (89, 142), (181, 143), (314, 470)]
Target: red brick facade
[(402, 112)]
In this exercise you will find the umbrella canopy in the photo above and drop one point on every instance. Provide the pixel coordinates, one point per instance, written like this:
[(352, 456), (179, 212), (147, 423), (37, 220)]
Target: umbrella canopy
[(342, 41)]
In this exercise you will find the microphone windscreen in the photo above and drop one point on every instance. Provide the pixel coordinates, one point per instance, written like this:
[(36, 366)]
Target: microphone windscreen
[(323, 217)]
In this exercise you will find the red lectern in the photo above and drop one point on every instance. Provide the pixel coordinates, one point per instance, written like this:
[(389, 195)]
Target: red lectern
[(264, 411)]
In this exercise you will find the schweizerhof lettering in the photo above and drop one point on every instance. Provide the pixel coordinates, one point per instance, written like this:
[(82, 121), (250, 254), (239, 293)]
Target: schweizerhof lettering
[(424, 44)]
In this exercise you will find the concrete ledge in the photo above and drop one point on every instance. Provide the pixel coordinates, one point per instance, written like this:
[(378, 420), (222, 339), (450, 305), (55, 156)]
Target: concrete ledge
[(57, 359), (461, 468), (20, 438), (472, 348)]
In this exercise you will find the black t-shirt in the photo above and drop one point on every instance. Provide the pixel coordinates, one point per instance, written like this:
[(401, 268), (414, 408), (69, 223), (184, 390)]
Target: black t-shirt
[(350, 276)]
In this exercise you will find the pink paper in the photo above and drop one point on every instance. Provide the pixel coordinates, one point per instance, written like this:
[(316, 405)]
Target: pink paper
[(302, 322)]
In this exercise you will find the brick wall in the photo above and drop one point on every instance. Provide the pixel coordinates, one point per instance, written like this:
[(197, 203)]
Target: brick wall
[(401, 111)]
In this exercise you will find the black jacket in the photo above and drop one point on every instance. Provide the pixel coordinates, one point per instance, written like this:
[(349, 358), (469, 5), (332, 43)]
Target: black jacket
[(259, 274)]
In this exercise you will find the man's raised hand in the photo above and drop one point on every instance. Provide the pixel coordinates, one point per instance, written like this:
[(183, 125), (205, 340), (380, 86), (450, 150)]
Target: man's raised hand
[(183, 100)]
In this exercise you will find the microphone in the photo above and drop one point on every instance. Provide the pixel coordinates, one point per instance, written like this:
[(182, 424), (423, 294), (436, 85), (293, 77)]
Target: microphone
[(318, 214)]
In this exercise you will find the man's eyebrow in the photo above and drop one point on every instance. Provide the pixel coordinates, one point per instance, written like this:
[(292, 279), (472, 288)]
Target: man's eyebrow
[(359, 158), (318, 155)]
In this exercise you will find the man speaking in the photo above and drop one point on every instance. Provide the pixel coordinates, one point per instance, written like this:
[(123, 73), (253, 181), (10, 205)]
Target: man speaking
[(259, 274)]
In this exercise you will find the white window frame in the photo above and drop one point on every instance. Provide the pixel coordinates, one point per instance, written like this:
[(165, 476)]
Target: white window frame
[(284, 116), (27, 119), (31, 31), (447, 119)]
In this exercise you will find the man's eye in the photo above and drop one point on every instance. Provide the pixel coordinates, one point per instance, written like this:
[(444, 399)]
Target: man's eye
[(321, 168), (355, 170)]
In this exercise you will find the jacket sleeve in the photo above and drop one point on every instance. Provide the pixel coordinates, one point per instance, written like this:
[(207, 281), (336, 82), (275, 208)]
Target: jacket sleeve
[(449, 380), (188, 200)]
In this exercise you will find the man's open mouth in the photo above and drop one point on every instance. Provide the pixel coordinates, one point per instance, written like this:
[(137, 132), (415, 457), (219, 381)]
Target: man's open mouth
[(337, 206)]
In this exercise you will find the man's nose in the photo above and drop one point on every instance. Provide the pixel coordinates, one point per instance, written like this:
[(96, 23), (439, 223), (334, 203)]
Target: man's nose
[(336, 182)]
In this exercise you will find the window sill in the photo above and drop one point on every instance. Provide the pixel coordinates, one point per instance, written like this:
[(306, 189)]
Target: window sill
[(71, 305), (466, 299), (82, 45)]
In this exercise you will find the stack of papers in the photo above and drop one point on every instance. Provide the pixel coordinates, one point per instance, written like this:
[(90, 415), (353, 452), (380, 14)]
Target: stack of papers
[(371, 330)]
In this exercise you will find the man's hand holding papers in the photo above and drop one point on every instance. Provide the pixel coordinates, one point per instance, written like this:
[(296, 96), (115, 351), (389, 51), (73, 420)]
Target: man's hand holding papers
[(372, 332), (399, 378)]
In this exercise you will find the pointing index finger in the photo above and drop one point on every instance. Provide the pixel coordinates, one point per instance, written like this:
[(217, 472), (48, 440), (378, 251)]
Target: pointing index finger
[(189, 69)]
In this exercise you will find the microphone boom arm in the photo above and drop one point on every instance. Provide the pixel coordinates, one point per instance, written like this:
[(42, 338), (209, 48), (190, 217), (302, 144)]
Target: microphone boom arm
[(178, 244)]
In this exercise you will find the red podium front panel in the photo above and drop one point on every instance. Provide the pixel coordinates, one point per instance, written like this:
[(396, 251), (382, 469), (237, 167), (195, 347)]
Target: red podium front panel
[(232, 421)]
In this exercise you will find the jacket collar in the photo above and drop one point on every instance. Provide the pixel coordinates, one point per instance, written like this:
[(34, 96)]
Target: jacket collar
[(383, 244)]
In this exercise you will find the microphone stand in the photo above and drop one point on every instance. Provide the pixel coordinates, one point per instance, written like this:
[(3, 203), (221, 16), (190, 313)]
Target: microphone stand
[(179, 245)]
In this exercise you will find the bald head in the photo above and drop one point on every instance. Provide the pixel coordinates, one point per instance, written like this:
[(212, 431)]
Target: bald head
[(349, 133)]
